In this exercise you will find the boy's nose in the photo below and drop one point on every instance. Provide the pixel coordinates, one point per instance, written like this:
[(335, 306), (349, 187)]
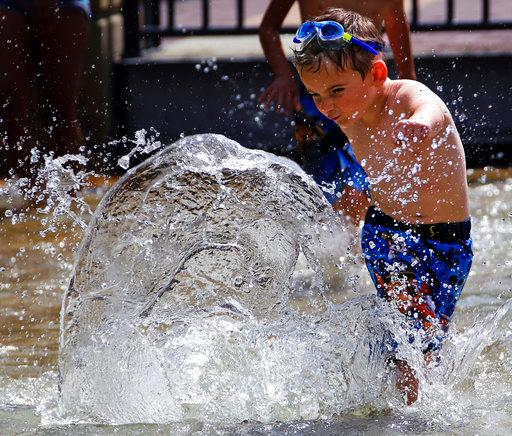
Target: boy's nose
[(325, 105)]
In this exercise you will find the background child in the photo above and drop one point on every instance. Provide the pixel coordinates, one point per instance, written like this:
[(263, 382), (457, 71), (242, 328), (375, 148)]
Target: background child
[(47, 41), (322, 149), (416, 237)]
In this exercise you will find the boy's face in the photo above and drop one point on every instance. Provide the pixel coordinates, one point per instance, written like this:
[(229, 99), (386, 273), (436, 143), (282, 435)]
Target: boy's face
[(341, 95)]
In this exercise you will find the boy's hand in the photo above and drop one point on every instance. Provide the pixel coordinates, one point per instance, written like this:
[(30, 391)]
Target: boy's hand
[(283, 93), (410, 131)]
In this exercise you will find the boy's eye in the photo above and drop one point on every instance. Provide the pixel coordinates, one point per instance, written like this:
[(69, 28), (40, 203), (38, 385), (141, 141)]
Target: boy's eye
[(338, 90)]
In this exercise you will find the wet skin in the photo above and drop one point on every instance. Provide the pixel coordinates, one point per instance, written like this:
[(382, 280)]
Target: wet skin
[(406, 141), (404, 137), (283, 92)]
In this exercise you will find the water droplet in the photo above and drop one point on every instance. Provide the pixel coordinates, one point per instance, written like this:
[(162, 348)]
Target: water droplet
[(124, 162)]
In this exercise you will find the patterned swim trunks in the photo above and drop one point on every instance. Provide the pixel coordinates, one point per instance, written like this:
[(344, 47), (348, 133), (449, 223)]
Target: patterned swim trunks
[(421, 269)]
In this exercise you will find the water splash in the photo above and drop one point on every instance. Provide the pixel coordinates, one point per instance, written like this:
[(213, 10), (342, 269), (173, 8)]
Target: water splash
[(310, 362), (143, 145), (182, 297), (61, 179)]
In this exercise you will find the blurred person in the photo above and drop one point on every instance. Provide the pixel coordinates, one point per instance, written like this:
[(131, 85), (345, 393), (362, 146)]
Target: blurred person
[(43, 45), (322, 149)]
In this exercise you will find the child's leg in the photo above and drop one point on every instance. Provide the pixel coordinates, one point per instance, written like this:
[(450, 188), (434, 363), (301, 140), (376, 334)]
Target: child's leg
[(18, 120), (407, 382), (421, 277), (62, 37)]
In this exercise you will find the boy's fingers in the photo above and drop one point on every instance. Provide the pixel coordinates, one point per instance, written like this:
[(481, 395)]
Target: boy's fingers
[(422, 132), (267, 98), (296, 104), (413, 134), (287, 104), (270, 98), (409, 131), (264, 95), (290, 103), (418, 132), (280, 102), (399, 132)]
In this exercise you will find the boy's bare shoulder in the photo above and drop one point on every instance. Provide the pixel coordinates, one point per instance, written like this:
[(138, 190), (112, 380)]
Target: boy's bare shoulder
[(406, 86), (412, 91)]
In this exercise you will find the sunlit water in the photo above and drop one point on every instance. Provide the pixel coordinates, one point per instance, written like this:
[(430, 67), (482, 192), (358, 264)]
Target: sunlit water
[(253, 352)]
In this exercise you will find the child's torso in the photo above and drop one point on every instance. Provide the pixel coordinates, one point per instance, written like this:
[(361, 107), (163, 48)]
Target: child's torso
[(369, 8), (426, 184)]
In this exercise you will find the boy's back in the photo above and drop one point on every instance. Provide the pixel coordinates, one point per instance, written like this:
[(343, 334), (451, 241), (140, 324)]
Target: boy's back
[(405, 139)]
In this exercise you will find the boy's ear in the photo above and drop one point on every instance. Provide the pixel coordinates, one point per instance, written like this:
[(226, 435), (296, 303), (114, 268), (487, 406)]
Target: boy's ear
[(379, 71)]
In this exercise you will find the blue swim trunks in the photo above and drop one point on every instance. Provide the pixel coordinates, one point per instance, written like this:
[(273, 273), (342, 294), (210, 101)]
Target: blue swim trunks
[(25, 6), (324, 152), (421, 269)]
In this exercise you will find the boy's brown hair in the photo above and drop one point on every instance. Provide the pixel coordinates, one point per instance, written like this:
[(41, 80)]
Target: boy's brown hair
[(348, 55)]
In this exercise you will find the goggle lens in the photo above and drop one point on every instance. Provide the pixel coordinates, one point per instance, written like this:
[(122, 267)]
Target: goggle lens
[(306, 30), (330, 30)]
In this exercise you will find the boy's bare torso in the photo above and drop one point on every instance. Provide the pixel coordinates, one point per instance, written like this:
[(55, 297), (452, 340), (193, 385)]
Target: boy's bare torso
[(419, 183), (373, 9)]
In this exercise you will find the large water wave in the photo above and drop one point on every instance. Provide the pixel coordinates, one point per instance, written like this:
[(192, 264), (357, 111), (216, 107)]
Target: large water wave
[(200, 291), (211, 285)]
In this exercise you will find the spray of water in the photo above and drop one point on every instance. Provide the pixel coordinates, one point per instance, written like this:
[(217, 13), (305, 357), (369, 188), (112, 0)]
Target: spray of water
[(183, 297), (201, 293), (208, 288)]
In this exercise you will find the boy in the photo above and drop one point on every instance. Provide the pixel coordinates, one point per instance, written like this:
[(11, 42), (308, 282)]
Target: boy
[(322, 149), (416, 235)]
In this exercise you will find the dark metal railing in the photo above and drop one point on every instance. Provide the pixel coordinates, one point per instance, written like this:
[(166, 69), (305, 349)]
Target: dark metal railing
[(145, 24)]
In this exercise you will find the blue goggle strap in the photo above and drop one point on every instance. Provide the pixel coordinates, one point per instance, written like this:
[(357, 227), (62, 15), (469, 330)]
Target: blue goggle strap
[(351, 39)]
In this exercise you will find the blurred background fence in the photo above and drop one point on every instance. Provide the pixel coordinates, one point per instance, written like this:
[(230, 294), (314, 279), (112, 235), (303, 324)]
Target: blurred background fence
[(195, 66), (148, 21)]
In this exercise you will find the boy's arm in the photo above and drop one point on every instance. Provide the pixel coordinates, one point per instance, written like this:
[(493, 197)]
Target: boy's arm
[(429, 114), (352, 204), (283, 90), (397, 29)]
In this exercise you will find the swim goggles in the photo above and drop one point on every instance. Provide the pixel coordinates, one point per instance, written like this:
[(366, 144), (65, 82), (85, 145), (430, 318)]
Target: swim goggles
[(330, 35)]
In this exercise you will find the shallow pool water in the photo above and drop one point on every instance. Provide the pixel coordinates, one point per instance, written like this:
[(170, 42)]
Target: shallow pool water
[(477, 398)]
